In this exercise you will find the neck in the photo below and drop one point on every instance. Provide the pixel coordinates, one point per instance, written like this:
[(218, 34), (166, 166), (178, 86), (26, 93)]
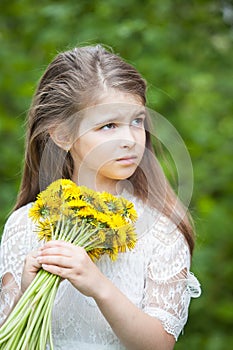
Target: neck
[(94, 182)]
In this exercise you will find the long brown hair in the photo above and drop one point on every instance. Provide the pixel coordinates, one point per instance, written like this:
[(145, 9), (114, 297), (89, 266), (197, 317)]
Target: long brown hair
[(72, 81)]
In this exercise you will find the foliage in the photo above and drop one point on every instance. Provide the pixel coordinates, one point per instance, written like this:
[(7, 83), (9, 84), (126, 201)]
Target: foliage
[(184, 51)]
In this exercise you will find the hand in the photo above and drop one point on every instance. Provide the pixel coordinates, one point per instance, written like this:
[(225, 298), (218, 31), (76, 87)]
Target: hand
[(31, 267), (73, 263)]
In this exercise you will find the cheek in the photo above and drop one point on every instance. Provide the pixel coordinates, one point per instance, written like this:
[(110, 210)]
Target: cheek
[(141, 142), (143, 138), (94, 155)]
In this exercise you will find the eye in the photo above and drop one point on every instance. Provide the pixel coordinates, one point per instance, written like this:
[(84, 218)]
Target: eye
[(139, 122), (108, 126)]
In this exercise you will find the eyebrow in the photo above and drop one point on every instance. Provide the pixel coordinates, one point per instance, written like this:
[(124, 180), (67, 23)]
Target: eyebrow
[(113, 119)]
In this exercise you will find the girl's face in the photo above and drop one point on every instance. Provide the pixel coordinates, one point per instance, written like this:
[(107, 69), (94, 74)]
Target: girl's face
[(110, 143)]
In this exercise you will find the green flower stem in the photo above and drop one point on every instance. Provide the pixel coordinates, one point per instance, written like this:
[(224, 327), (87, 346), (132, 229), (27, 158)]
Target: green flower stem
[(73, 233), (42, 308), (95, 243), (84, 238), (48, 313), (22, 307), (13, 341), (50, 338), (36, 333), (33, 319), (55, 234), (22, 344), (16, 325), (38, 317), (20, 315)]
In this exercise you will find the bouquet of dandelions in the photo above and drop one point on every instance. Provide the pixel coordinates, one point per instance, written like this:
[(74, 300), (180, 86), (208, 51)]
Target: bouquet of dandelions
[(99, 222)]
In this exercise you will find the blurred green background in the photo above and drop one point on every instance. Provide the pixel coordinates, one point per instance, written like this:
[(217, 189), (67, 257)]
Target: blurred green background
[(184, 50)]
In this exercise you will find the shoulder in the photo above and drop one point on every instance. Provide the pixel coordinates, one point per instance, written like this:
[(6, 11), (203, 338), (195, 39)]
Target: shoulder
[(17, 221), (19, 215), (18, 240), (158, 235), (170, 252), (161, 238), (165, 230), (156, 225)]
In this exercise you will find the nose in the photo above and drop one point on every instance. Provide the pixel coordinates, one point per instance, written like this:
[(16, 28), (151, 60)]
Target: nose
[(127, 137)]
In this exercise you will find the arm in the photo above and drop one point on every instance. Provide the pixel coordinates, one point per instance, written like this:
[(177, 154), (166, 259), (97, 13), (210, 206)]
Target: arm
[(17, 240), (9, 296), (134, 328)]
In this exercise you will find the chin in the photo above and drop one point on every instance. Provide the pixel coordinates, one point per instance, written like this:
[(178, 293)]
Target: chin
[(125, 176)]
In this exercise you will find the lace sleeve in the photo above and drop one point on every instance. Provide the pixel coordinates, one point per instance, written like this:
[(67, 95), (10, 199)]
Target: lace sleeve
[(169, 284), (16, 242)]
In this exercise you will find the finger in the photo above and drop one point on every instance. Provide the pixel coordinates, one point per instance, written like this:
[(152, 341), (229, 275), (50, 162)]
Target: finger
[(57, 247), (56, 270), (57, 260), (61, 248), (34, 253), (58, 251), (31, 259), (56, 243)]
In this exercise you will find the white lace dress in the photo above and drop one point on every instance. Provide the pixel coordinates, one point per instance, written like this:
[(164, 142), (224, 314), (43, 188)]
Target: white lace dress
[(155, 276)]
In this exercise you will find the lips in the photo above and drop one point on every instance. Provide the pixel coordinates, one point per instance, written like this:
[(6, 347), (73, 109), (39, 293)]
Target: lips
[(131, 159)]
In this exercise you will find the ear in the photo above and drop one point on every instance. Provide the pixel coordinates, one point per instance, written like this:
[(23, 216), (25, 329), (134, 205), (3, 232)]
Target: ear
[(61, 138)]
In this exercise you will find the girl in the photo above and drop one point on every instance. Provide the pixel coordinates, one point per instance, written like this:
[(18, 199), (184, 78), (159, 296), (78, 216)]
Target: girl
[(88, 123)]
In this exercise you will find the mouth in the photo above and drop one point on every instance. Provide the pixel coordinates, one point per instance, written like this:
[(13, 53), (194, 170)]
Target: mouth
[(127, 160)]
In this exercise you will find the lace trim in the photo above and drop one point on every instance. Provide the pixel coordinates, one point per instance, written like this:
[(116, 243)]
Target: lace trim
[(168, 321), (193, 286)]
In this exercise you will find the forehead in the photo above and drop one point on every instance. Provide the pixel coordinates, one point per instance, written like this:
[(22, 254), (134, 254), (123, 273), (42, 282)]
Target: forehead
[(109, 112), (118, 96)]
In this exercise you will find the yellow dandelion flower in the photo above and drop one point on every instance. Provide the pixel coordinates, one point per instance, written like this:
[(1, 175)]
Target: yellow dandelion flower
[(95, 254), (103, 218), (128, 210), (87, 211), (102, 235), (60, 183), (131, 237), (99, 205), (113, 253), (65, 211), (38, 210), (112, 202), (44, 230), (116, 221), (62, 188), (110, 239), (54, 203), (126, 238), (71, 192), (121, 234), (88, 195), (77, 203), (115, 242), (62, 214), (99, 238)]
